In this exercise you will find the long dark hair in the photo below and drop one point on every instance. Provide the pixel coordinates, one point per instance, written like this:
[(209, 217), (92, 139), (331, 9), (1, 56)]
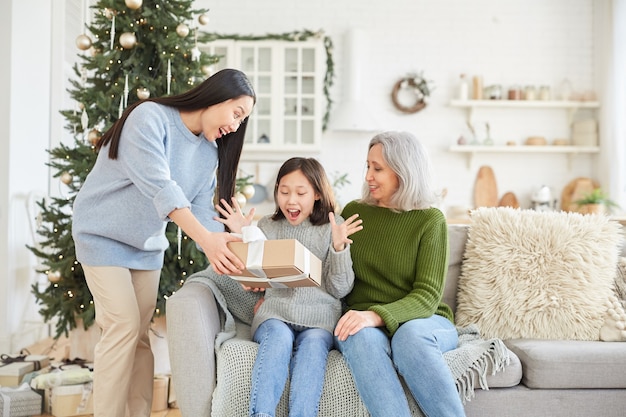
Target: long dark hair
[(316, 175), (222, 86)]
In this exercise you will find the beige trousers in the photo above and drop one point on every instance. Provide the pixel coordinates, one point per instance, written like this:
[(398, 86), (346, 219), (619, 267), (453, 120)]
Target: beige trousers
[(123, 362)]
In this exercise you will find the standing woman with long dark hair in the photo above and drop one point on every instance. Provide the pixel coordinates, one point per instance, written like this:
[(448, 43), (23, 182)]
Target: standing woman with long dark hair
[(163, 160)]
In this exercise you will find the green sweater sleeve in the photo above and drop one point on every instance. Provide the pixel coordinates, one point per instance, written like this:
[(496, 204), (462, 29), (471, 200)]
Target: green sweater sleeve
[(400, 262)]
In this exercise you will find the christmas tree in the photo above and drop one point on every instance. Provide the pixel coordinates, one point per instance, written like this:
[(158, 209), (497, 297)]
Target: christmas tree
[(131, 49)]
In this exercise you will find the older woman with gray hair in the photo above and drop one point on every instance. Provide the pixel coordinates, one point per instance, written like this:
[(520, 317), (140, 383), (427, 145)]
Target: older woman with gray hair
[(395, 323)]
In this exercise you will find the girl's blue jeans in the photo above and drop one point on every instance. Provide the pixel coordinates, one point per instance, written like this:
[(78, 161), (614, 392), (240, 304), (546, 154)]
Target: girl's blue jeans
[(277, 342), (415, 352)]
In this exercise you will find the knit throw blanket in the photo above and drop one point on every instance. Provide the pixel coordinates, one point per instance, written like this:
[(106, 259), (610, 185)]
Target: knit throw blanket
[(470, 361)]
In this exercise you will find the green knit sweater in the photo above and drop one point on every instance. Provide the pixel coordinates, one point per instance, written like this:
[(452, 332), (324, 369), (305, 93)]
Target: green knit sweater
[(400, 261)]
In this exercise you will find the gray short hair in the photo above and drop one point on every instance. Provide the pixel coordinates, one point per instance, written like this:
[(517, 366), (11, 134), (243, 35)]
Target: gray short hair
[(406, 156)]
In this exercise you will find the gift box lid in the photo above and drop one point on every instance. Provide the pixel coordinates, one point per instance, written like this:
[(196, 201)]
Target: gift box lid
[(21, 364), (16, 368)]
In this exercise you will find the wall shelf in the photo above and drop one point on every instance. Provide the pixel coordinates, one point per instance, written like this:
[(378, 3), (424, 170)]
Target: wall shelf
[(570, 151), (570, 106)]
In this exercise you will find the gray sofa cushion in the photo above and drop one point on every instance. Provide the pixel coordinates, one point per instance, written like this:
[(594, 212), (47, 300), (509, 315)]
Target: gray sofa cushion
[(457, 236), (570, 363)]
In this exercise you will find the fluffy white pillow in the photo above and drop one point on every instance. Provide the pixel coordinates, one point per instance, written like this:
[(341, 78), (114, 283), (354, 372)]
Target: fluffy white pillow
[(614, 328), (533, 274)]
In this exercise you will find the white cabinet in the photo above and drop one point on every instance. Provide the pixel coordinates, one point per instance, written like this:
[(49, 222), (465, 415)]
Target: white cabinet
[(520, 105), (288, 78)]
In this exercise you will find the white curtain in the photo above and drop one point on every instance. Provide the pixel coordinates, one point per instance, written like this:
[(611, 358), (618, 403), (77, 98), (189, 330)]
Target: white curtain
[(610, 38)]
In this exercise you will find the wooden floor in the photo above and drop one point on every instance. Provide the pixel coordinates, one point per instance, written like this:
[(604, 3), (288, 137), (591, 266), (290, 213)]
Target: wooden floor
[(173, 412)]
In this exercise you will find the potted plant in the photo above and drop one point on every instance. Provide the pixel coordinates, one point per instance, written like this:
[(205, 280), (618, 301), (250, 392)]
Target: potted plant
[(596, 202)]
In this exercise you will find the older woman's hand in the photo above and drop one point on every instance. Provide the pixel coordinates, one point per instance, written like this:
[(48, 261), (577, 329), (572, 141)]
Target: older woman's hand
[(354, 320)]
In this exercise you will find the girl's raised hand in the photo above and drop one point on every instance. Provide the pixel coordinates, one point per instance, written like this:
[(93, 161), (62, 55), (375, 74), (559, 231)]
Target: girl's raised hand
[(340, 232), (234, 218)]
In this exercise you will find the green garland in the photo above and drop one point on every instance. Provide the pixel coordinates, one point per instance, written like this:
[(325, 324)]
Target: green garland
[(294, 36)]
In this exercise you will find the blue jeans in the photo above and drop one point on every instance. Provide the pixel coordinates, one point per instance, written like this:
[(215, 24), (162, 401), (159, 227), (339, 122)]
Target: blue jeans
[(274, 362), (415, 352)]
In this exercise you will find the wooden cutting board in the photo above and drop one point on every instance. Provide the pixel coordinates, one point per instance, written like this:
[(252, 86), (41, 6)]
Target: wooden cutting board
[(485, 188), (509, 200)]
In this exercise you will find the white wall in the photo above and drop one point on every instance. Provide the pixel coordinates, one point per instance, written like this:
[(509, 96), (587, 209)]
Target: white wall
[(507, 42), (24, 120)]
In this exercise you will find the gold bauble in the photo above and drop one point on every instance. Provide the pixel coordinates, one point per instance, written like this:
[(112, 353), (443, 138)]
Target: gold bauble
[(143, 93), (128, 40), (66, 178), (248, 191), (108, 13), (83, 42), (182, 30), (241, 199), (93, 136), (54, 276), (203, 19), (133, 4), (207, 70)]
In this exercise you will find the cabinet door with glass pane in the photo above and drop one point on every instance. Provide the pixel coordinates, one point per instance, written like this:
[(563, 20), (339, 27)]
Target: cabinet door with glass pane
[(288, 80)]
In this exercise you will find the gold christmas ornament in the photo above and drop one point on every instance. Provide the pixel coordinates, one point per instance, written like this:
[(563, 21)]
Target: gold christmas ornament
[(108, 13), (241, 199), (128, 40), (182, 30), (133, 4), (207, 70), (93, 136), (203, 19), (66, 178), (54, 276), (83, 42), (248, 191), (143, 93)]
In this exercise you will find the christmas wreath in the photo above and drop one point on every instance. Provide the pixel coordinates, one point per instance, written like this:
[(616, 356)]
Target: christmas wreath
[(417, 86)]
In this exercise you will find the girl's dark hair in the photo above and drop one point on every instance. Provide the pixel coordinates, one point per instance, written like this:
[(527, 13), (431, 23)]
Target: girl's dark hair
[(222, 86), (316, 175)]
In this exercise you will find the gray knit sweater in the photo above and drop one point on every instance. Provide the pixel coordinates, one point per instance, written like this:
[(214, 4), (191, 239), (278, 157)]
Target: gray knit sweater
[(308, 306)]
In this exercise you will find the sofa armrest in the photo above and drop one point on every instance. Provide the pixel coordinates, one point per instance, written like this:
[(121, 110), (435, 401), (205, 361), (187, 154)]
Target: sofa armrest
[(192, 323)]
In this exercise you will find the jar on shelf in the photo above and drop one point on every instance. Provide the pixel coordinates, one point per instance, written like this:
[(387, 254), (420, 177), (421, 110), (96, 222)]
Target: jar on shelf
[(463, 88), (544, 93), (515, 93), (494, 92), (529, 93), (477, 87)]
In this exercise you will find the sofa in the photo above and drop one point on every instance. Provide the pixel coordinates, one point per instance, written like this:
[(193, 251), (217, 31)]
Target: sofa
[(542, 377)]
